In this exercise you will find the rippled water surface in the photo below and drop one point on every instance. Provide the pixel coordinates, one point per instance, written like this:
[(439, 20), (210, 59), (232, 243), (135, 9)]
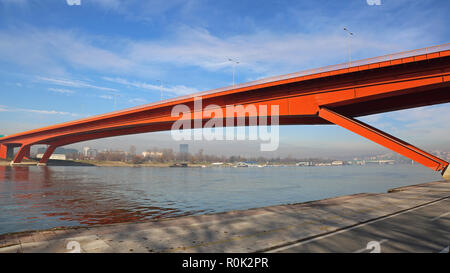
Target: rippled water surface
[(46, 197)]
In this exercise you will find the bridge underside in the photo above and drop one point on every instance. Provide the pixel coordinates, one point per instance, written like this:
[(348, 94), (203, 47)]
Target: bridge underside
[(324, 116), (333, 99)]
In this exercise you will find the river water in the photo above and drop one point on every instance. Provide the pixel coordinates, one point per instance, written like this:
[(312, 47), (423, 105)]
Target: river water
[(46, 197)]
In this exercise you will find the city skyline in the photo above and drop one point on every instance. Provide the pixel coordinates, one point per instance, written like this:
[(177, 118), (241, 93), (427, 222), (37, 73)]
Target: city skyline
[(181, 149)]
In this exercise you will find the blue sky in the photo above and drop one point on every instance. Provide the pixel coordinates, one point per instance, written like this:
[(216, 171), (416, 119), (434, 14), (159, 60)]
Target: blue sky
[(60, 62)]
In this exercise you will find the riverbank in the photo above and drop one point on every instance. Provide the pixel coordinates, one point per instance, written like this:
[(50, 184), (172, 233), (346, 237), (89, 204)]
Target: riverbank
[(24, 162), (53, 162), (407, 219), (98, 163), (128, 164)]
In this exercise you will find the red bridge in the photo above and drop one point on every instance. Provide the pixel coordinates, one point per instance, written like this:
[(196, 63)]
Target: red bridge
[(328, 95)]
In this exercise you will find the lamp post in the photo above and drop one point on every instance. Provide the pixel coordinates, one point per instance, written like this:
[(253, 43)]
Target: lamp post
[(349, 50), (115, 99), (161, 88), (234, 63)]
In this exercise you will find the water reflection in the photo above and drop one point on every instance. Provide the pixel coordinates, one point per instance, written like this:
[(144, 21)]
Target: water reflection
[(34, 197), (39, 197), (20, 173)]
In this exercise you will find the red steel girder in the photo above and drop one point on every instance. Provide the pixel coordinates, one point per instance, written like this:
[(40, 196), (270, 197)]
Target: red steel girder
[(384, 139), (24, 152)]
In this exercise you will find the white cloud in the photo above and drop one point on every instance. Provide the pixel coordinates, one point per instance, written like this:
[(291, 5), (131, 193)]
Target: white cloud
[(260, 52), (62, 91), (137, 101), (57, 50), (106, 97), (48, 112), (177, 89), (74, 83), (45, 112)]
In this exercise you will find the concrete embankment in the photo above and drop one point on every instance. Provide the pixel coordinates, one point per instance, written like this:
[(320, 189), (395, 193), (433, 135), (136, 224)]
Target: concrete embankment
[(409, 219)]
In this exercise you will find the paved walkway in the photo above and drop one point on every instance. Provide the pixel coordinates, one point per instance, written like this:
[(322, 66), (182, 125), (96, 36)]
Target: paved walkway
[(342, 224)]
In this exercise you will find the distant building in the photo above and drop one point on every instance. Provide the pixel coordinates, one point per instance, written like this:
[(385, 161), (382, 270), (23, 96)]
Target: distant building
[(53, 156), (381, 162), (184, 148), (92, 153), (323, 164), (152, 154), (337, 163), (114, 152), (59, 150)]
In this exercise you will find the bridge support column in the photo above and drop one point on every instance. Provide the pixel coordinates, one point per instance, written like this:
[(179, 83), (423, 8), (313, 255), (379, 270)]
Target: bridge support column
[(47, 155), (6, 151), (24, 151), (385, 140)]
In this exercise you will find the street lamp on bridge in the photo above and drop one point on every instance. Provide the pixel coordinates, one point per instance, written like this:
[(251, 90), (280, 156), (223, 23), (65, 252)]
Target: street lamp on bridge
[(161, 88), (349, 50), (234, 62), (115, 100)]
